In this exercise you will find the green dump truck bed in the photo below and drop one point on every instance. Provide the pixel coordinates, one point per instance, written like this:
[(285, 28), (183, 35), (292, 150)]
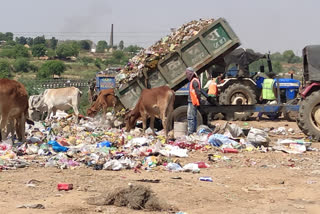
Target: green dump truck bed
[(199, 52)]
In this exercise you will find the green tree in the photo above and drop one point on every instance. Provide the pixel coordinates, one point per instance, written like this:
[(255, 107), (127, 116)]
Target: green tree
[(85, 44), (51, 68), (21, 40), (20, 51), (51, 53), (67, 49), (276, 57), (277, 67), (39, 50), (21, 65), (5, 69), (101, 46), (39, 40), (30, 41), (52, 43), (118, 55), (289, 56), (9, 36), (121, 45), (133, 49), (6, 36)]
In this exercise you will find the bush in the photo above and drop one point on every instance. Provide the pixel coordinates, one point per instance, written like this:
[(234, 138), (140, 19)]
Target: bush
[(85, 45), (5, 69), (20, 51), (30, 84), (39, 50), (51, 68), (51, 53), (98, 63), (7, 52), (101, 46), (86, 60), (67, 49), (21, 65)]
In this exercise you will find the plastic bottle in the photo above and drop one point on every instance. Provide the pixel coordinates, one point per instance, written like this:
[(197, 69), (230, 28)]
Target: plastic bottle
[(64, 186), (229, 150)]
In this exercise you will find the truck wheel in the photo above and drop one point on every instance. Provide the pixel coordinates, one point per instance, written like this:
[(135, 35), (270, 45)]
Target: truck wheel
[(237, 94), (180, 115), (291, 116), (309, 115)]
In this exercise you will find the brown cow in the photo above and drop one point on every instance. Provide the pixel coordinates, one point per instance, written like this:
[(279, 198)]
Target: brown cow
[(13, 107), (106, 99), (156, 102)]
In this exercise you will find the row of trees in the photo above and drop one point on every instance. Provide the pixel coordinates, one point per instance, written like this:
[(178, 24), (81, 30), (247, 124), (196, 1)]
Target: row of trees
[(46, 70)]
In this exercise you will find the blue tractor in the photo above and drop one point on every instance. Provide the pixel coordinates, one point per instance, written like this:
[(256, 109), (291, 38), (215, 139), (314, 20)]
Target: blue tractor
[(242, 87)]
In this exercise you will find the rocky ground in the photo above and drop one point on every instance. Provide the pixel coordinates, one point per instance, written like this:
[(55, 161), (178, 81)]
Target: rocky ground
[(246, 182)]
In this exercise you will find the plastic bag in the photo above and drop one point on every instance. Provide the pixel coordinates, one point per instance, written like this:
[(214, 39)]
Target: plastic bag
[(219, 140), (174, 167), (191, 167), (258, 137)]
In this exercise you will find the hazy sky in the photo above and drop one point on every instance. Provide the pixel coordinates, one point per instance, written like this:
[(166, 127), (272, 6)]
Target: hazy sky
[(274, 25)]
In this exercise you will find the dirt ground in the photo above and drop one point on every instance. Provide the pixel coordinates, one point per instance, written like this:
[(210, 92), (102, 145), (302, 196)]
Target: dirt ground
[(250, 182)]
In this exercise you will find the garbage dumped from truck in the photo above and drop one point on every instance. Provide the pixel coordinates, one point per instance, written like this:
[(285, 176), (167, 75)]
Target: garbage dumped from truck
[(64, 144), (147, 59)]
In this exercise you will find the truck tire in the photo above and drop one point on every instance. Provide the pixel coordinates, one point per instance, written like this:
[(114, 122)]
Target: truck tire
[(180, 115), (291, 116), (309, 115), (238, 94)]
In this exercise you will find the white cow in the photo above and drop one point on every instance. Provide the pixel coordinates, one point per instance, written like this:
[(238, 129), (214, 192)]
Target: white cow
[(36, 114), (59, 99)]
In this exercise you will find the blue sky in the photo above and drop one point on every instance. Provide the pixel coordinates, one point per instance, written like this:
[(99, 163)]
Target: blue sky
[(274, 25)]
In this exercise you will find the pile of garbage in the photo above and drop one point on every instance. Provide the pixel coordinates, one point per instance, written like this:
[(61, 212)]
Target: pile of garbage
[(147, 59), (62, 143)]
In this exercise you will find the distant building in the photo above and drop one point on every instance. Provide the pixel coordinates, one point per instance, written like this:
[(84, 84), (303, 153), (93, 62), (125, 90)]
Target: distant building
[(93, 47)]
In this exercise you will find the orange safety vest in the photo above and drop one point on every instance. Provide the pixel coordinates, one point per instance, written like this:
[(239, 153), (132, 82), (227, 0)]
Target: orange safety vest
[(194, 99), (213, 88)]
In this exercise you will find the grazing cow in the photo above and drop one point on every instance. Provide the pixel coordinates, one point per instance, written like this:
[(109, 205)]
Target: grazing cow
[(106, 98), (156, 102), (36, 114), (13, 107), (59, 99)]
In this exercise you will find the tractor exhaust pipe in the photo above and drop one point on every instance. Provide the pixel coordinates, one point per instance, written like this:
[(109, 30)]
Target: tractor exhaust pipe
[(269, 62)]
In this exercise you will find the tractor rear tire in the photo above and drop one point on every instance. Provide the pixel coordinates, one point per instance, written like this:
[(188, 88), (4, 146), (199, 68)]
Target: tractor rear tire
[(238, 94), (291, 116), (309, 115), (180, 115)]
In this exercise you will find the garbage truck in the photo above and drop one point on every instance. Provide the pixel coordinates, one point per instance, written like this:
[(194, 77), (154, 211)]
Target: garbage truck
[(202, 51)]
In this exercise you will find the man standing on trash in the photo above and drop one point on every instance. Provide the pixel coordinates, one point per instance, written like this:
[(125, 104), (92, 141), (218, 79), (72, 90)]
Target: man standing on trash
[(193, 99)]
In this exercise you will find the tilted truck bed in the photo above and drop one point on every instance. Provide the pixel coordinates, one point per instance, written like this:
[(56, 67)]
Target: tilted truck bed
[(199, 52)]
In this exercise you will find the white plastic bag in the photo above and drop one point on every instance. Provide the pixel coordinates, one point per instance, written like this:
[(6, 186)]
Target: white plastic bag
[(258, 137)]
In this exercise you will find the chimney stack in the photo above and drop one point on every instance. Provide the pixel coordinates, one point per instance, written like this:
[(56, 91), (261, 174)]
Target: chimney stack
[(111, 37)]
